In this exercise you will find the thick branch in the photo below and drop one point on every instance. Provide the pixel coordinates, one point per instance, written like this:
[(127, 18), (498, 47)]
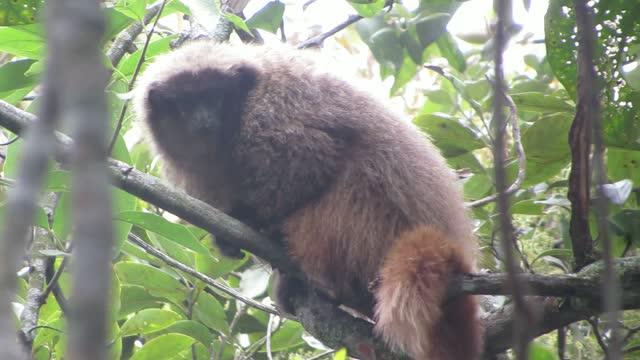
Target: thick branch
[(322, 318)]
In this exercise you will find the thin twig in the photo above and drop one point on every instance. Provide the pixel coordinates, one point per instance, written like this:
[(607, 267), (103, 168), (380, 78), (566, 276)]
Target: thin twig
[(596, 332), (53, 282), (10, 141), (123, 110), (200, 276), (522, 160), (523, 318), (269, 332), (317, 41)]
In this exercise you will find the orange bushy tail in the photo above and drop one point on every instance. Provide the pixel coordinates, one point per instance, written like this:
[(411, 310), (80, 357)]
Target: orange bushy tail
[(410, 309)]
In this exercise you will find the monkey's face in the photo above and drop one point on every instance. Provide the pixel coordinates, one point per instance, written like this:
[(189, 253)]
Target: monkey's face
[(192, 115)]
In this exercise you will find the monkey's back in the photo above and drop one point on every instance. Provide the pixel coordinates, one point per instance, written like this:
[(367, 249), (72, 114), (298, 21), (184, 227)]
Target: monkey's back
[(391, 180), (342, 175)]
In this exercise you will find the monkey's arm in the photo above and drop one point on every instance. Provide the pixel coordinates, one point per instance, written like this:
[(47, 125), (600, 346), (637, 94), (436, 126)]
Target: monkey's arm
[(281, 170)]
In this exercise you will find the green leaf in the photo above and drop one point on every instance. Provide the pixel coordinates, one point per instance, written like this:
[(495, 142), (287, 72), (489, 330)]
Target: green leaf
[(155, 281), (623, 164), (537, 351), (450, 51), (543, 103), (368, 8), (477, 186), (211, 313), (13, 78), (558, 30), (189, 328), (386, 46), (565, 254), (23, 40), (340, 354), (546, 146), (268, 18), (134, 9), (448, 134), (116, 22), (288, 336), (164, 347), (122, 200), (19, 12), (238, 22), (431, 27), (161, 226), (128, 65), (527, 207), (135, 298), (149, 320)]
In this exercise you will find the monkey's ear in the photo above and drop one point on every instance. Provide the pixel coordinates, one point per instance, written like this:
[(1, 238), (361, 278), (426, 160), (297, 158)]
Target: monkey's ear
[(244, 76)]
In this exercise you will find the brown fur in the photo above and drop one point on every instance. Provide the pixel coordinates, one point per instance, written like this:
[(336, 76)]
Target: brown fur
[(358, 193)]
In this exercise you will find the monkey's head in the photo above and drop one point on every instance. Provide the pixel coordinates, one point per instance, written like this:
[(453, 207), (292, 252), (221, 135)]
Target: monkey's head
[(191, 103)]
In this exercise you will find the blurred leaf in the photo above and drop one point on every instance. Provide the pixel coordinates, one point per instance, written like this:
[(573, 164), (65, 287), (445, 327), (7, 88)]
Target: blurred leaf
[(161, 226), (431, 27), (23, 40), (164, 347), (209, 311), (618, 192), (116, 22), (527, 207), (546, 146), (134, 9), (287, 336), (134, 298), (559, 40), (623, 164), (448, 134), (19, 12), (189, 328), (340, 354), (149, 320), (538, 351), (477, 186), (155, 281), (539, 102), (13, 79), (238, 22), (254, 281), (368, 8), (268, 18), (450, 51), (128, 65), (386, 46), (564, 254)]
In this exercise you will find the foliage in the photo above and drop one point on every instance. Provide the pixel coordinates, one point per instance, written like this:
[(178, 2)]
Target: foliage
[(159, 312)]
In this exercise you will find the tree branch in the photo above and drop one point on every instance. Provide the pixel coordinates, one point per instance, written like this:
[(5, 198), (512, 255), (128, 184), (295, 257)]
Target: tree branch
[(316, 41), (523, 315), (80, 26), (589, 103), (125, 38), (335, 327), (200, 276)]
